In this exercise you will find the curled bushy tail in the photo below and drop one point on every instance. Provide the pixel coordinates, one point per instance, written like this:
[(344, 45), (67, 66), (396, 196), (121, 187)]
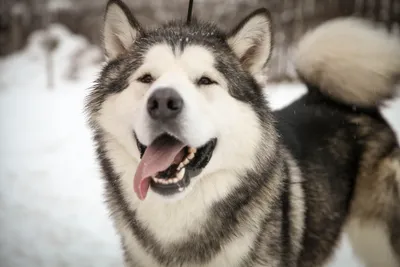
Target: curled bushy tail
[(350, 60)]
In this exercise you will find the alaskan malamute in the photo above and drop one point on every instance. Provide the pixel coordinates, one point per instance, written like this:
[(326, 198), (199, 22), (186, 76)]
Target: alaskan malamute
[(200, 172)]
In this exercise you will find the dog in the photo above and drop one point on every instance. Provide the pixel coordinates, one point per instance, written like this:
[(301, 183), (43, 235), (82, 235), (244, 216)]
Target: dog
[(200, 172)]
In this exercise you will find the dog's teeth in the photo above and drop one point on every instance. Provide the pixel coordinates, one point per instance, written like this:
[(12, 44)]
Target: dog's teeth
[(175, 180), (186, 161), (181, 165), (180, 174), (190, 156), (192, 150)]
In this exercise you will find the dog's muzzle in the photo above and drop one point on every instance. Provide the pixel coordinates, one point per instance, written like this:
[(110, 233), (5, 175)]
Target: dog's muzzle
[(168, 163)]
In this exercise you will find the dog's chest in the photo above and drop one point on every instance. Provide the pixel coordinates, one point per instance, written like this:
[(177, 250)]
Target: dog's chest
[(231, 254)]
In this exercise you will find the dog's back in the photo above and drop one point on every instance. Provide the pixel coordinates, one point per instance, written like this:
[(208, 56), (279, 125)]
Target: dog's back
[(347, 152)]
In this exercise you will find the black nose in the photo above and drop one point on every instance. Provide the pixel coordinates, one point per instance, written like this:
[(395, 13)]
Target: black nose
[(164, 104)]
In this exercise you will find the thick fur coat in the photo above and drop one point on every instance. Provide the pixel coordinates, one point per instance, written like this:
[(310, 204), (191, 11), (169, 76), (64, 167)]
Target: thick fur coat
[(259, 188)]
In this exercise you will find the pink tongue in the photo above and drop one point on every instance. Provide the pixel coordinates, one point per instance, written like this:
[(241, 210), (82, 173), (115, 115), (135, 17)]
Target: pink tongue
[(157, 157)]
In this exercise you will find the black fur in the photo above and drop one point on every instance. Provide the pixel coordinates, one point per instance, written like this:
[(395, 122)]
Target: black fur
[(308, 128)]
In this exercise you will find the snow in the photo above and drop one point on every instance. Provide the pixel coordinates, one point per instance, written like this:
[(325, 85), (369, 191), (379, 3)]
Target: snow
[(51, 206)]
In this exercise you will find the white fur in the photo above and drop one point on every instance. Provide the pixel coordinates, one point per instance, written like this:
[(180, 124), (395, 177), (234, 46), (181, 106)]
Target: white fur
[(180, 73), (230, 256), (209, 112), (118, 32), (370, 242), (351, 61)]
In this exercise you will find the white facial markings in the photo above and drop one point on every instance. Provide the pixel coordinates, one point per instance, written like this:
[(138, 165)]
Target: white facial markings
[(209, 112), (180, 72), (116, 117), (158, 60), (197, 61)]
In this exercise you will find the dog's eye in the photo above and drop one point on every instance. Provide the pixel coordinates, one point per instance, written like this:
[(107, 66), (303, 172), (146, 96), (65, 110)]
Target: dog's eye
[(146, 78), (205, 81)]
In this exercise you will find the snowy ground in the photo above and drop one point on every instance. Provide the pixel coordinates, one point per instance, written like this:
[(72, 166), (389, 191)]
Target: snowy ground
[(51, 210)]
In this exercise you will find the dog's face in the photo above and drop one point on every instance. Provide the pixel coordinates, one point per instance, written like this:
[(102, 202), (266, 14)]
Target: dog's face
[(181, 100)]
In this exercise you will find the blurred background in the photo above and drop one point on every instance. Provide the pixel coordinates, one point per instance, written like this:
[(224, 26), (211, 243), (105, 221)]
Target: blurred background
[(51, 209), (19, 18)]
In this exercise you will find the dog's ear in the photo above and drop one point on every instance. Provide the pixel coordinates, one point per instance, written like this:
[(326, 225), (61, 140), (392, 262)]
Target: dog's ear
[(120, 29), (251, 40)]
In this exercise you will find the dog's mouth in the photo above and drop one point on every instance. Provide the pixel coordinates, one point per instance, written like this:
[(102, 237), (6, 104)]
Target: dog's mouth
[(167, 165)]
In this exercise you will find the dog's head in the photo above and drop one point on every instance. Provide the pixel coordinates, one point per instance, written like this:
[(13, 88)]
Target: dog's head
[(181, 100)]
